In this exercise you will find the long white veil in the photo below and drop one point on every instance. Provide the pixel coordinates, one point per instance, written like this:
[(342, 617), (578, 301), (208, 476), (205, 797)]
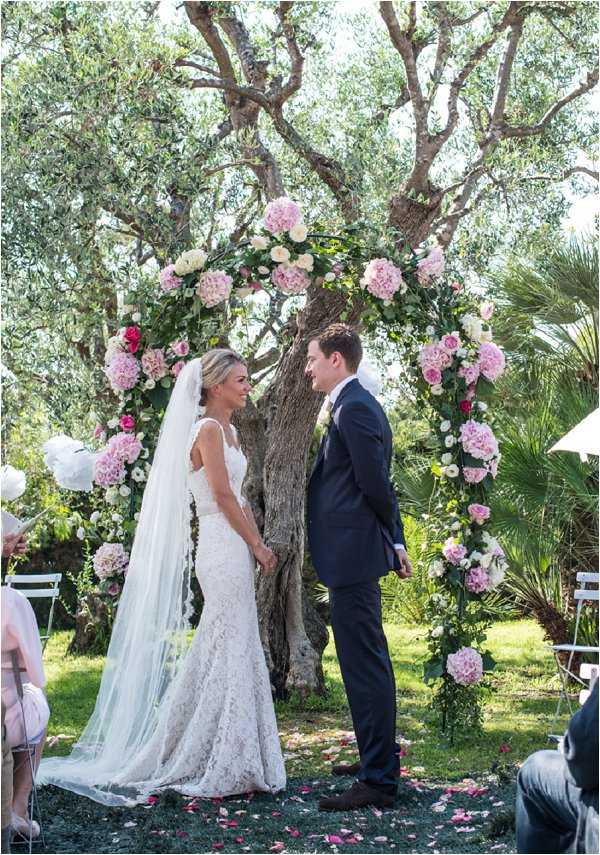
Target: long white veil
[(149, 634)]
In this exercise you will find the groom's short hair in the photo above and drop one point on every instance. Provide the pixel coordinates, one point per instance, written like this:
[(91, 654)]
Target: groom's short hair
[(343, 339)]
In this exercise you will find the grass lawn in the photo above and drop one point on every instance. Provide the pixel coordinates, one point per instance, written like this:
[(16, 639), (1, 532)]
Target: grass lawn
[(518, 716)]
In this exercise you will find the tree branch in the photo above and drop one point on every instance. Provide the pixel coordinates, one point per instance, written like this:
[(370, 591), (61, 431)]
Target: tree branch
[(294, 81)]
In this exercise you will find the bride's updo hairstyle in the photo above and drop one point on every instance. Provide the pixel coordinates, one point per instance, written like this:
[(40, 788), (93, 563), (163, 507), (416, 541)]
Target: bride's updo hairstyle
[(216, 365)]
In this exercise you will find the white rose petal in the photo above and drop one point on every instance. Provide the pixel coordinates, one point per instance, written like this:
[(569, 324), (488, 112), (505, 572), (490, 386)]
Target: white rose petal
[(140, 436), (263, 270), (445, 426), (449, 441), (446, 458), (136, 317), (259, 242), (486, 335), (81, 533), (95, 516), (193, 259), (305, 262), (430, 330), (280, 253), (436, 389), (298, 233), (149, 384), (117, 518), (482, 406), (462, 352), (455, 526), (452, 470), (113, 423), (329, 277), (124, 490), (437, 631), (112, 495)]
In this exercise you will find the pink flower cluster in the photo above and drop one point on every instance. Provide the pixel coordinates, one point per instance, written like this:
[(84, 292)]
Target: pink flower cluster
[(382, 278), (109, 469), (478, 440), (127, 423), (125, 446), (433, 358), (465, 666), (153, 363), (168, 280), (123, 372), (180, 348), (176, 368), (110, 559), (433, 265), (474, 474), (477, 580), (491, 361), (479, 513), (290, 280), (453, 552), (214, 286), (281, 215), (469, 371)]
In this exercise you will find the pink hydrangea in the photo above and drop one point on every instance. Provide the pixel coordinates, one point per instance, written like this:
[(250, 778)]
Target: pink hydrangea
[(478, 440), (474, 474), (432, 375), (214, 287), (436, 355), (477, 580), (109, 469), (110, 559), (153, 363), (180, 348), (465, 666), (123, 372), (479, 513), (382, 278), (176, 368), (453, 552), (127, 423), (432, 265), (469, 371), (126, 446), (491, 360), (281, 215), (451, 342), (168, 280), (290, 280)]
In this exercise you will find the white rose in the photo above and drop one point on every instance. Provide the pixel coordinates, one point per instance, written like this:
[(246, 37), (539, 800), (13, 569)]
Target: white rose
[(124, 491), (112, 495), (486, 560), (486, 335), (437, 631), (445, 426), (305, 262), (259, 242), (113, 423), (472, 327), (144, 454), (437, 569), (482, 406), (462, 352), (117, 518), (189, 261), (329, 277), (475, 556), (436, 389), (140, 436), (408, 328), (451, 471), (149, 384), (95, 517), (280, 253), (430, 331), (298, 233), (496, 574), (81, 532), (455, 526), (449, 441), (113, 347), (138, 474), (263, 270), (446, 458), (136, 317)]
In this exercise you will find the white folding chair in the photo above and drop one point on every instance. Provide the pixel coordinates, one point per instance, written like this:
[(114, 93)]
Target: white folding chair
[(582, 596), (48, 579)]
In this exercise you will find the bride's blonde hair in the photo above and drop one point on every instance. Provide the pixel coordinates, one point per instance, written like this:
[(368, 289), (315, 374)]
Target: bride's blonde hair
[(216, 365)]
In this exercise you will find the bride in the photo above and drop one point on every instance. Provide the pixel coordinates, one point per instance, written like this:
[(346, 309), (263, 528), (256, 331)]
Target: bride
[(197, 720)]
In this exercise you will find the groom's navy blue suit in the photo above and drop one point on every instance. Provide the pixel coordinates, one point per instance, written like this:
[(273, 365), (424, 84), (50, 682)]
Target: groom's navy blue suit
[(353, 524)]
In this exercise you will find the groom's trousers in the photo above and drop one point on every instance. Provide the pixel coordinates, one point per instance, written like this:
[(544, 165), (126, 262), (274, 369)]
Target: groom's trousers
[(368, 676)]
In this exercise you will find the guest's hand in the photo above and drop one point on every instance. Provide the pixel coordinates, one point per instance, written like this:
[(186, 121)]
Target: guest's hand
[(265, 557), (405, 570), (13, 544)]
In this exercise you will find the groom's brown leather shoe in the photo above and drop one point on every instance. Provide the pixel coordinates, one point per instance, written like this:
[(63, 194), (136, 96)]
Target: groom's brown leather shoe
[(359, 795), (353, 769)]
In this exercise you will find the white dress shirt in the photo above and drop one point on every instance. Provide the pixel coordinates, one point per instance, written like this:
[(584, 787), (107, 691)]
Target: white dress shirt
[(333, 396)]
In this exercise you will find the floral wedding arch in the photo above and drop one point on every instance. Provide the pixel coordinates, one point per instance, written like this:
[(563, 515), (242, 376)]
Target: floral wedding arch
[(448, 340)]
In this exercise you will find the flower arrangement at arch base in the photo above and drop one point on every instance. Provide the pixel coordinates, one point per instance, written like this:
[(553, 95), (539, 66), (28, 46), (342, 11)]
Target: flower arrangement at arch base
[(454, 362)]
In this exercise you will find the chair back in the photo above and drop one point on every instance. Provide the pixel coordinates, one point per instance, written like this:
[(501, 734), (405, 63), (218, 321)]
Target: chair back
[(51, 581)]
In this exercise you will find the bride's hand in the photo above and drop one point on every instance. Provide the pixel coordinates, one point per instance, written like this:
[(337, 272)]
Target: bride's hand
[(265, 557)]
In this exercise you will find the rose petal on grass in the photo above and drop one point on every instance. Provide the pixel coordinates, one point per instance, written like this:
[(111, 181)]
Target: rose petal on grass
[(278, 846)]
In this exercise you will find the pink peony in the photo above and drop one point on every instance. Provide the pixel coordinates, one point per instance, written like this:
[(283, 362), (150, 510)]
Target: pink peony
[(176, 368), (465, 666), (109, 469), (432, 375), (123, 372), (491, 361), (110, 559), (125, 446), (479, 513), (281, 215), (127, 423), (434, 355), (180, 348), (153, 363), (214, 287), (451, 342), (477, 580), (474, 474), (469, 372), (453, 552), (168, 280), (432, 265), (478, 440), (381, 278), (290, 280)]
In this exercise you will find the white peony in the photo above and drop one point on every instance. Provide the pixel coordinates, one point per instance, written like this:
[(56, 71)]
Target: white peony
[(113, 347), (305, 262), (193, 259), (486, 560), (259, 242), (472, 327), (280, 253), (436, 570), (138, 474), (496, 573), (298, 233), (136, 317)]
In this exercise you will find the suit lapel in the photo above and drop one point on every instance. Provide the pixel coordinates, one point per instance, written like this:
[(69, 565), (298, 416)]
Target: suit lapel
[(338, 401)]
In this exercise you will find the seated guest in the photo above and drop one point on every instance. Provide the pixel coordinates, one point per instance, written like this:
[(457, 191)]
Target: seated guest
[(557, 793), (20, 636)]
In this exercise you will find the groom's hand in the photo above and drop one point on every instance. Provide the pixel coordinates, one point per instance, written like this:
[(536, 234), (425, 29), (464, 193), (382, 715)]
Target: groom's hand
[(405, 570)]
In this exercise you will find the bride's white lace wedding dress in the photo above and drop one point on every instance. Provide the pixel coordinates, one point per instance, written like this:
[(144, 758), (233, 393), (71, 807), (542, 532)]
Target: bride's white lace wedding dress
[(216, 733)]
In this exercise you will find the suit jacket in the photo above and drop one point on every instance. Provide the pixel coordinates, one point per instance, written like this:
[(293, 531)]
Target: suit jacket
[(353, 517), (581, 755)]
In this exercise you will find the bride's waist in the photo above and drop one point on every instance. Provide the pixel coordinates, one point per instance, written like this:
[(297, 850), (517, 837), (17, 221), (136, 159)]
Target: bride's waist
[(208, 508)]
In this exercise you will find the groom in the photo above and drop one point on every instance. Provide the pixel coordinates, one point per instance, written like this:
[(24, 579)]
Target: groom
[(355, 536)]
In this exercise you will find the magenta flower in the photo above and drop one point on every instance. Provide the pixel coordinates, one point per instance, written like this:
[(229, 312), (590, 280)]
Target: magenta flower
[(432, 265), (180, 348), (465, 666), (432, 375), (110, 559), (478, 440), (469, 372), (451, 342), (474, 474), (127, 423), (176, 368)]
